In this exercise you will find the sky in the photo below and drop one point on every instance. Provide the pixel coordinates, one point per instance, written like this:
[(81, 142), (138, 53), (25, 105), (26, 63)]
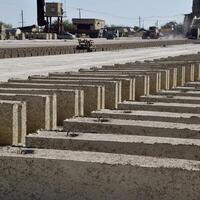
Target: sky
[(117, 12)]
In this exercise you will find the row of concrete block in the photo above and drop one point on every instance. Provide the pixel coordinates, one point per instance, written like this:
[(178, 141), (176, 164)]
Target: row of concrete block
[(78, 94), (71, 49), (145, 149)]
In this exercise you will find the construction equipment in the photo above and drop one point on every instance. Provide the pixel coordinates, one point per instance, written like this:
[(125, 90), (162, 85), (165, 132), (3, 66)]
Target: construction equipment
[(152, 33), (85, 44), (194, 32), (110, 33)]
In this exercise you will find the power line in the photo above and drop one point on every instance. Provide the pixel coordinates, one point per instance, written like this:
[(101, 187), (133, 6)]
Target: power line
[(129, 18)]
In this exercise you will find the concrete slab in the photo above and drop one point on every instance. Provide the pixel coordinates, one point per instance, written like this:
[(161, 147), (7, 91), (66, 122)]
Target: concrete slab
[(68, 101), (161, 107), (38, 111), (131, 127), (142, 115), (95, 92), (12, 122), (108, 176), (121, 144)]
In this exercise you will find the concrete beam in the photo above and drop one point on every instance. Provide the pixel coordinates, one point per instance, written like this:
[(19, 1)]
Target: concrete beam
[(108, 176), (112, 88), (12, 122), (131, 127), (121, 144), (154, 77), (96, 93), (161, 107), (128, 83), (171, 99), (148, 116), (69, 102), (38, 111)]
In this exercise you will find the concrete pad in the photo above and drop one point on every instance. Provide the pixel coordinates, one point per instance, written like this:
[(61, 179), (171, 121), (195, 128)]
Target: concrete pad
[(128, 83), (68, 101), (161, 107), (121, 144), (96, 93), (148, 116), (108, 176), (171, 99), (131, 127), (112, 88), (38, 111), (12, 122)]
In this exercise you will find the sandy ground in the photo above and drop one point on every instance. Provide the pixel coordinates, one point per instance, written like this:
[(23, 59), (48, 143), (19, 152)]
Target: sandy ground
[(23, 67)]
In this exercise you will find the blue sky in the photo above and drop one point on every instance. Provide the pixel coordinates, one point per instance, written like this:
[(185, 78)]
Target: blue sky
[(119, 12)]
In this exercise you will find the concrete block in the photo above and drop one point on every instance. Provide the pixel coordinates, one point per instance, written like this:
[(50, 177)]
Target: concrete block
[(161, 107), (69, 102), (131, 127), (163, 73), (12, 122), (108, 176), (96, 93), (154, 77), (181, 76), (141, 115), (121, 144), (112, 88), (128, 86), (38, 111)]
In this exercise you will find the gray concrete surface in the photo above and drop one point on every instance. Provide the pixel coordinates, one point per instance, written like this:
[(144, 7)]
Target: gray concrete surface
[(121, 144), (132, 127), (89, 175), (143, 115)]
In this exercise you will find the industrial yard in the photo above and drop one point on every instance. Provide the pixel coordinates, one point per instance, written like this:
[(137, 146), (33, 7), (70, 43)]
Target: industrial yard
[(99, 118)]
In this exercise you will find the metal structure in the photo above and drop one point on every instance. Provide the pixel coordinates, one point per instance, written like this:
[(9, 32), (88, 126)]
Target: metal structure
[(196, 8), (46, 12), (54, 10)]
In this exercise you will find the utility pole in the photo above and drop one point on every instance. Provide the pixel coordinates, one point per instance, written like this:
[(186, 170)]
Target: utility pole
[(79, 11), (22, 16), (157, 23), (139, 22), (65, 8)]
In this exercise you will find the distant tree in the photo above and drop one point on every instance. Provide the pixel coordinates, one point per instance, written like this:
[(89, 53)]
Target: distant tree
[(67, 26), (5, 25)]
